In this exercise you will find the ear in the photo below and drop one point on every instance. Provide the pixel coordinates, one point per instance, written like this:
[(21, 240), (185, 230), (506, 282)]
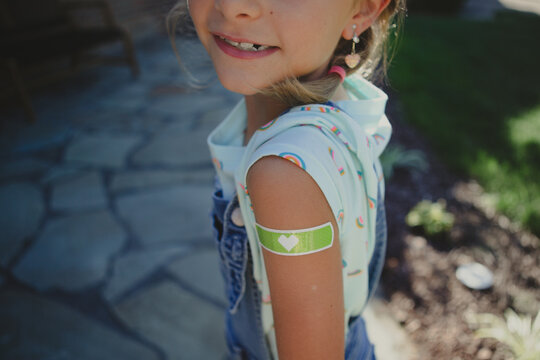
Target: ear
[(364, 14)]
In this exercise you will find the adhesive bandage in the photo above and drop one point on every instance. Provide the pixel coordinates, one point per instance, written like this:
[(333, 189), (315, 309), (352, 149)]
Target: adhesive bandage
[(296, 242)]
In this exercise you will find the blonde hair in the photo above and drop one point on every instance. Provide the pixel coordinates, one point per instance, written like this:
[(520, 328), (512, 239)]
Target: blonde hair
[(373, 49)]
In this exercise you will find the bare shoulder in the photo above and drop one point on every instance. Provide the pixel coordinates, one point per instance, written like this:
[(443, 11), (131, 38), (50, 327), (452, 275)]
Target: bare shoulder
[(285, 195)]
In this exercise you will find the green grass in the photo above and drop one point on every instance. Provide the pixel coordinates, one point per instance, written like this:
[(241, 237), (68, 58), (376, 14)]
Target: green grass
[(473, 89)]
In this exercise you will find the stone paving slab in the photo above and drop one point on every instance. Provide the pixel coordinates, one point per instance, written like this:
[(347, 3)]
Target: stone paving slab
[(22, 167), (131, 268), (146, 179), (102, 150), (72, 252), (32, 327), (212, 118), (481, 9), (82, 192), (40, 136), (186, 104), (22, 209), (486, 9), (389, 338), (532, 6), (125, 121), (151, 132), (181, 324), (62, 172), (200, 271), (178, 213), (124, 101), (176, 145)]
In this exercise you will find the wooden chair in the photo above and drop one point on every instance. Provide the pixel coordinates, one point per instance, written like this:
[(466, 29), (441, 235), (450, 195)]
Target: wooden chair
[(34, 31)]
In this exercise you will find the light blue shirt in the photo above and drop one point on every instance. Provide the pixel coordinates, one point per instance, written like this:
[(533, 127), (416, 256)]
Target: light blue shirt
[(339, 147)]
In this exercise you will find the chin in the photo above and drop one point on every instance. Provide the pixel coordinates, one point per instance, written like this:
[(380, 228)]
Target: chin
[(241, 82), (237, 86)]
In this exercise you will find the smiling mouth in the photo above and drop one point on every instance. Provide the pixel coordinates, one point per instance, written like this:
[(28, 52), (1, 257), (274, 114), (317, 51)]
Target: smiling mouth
[(246, 46)]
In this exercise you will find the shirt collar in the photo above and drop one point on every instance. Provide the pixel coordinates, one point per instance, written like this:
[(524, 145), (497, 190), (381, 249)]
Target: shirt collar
[(367, 105)]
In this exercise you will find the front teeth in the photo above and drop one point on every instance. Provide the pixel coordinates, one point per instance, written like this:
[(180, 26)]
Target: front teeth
[(245, 46)]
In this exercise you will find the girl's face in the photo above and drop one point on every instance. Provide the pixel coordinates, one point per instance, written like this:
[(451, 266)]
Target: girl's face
[(298, 38)]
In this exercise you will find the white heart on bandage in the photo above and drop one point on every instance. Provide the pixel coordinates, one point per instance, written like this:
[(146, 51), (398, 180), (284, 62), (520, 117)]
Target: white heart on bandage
[(288, 242)]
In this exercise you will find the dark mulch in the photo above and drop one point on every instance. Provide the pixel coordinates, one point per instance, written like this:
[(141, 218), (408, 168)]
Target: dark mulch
[(419, 279)]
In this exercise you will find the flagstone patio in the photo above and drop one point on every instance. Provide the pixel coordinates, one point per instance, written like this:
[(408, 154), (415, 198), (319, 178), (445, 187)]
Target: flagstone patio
[(106, 248)]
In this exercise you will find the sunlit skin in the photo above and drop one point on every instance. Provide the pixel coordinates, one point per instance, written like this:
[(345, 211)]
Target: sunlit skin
[(308, 308), (302, 30)]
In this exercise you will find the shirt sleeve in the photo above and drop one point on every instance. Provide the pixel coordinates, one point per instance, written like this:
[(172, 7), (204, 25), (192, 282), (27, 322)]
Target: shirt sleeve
[(320, 156)]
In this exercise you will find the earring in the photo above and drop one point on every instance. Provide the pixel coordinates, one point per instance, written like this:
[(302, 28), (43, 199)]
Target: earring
[(187, 4), (353, 58)]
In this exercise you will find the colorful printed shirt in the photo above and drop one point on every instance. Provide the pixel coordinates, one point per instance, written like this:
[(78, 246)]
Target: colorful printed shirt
[(338, 144)]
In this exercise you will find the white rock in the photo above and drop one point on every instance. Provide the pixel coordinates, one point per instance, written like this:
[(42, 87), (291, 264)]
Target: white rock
[(475, 276)]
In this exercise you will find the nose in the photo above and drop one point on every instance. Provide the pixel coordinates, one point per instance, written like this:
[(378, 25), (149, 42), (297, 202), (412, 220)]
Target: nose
[(239, 9)]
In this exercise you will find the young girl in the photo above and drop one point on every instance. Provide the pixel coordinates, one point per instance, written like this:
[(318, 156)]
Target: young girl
[(298, 211)]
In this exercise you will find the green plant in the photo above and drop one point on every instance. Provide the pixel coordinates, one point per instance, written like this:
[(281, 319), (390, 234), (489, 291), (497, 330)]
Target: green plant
[(520, 333), (432, 217), (396, 157), (483, 123)]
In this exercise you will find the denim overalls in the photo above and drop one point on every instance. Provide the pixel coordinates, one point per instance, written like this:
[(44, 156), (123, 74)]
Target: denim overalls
[(244, 332)]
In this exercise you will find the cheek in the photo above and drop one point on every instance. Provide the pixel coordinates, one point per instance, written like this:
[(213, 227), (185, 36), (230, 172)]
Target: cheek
[(199, 11), (311, 44)]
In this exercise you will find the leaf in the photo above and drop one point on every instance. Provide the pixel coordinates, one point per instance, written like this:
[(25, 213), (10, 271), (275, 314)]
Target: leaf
[(396, 157), (536, 324), (519, 333)]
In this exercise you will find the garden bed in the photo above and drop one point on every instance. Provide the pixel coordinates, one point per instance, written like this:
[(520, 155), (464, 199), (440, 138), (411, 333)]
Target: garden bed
[(419, 279)]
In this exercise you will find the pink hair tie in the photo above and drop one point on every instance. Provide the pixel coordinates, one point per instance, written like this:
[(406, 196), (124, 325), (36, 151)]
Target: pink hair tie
[(338, 70)]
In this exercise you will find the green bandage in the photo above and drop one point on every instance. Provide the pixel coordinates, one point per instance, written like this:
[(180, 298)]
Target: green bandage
[(296, 242)]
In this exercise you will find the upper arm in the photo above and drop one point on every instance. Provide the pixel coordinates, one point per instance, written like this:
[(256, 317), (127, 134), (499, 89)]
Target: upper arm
[(306, 290)]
